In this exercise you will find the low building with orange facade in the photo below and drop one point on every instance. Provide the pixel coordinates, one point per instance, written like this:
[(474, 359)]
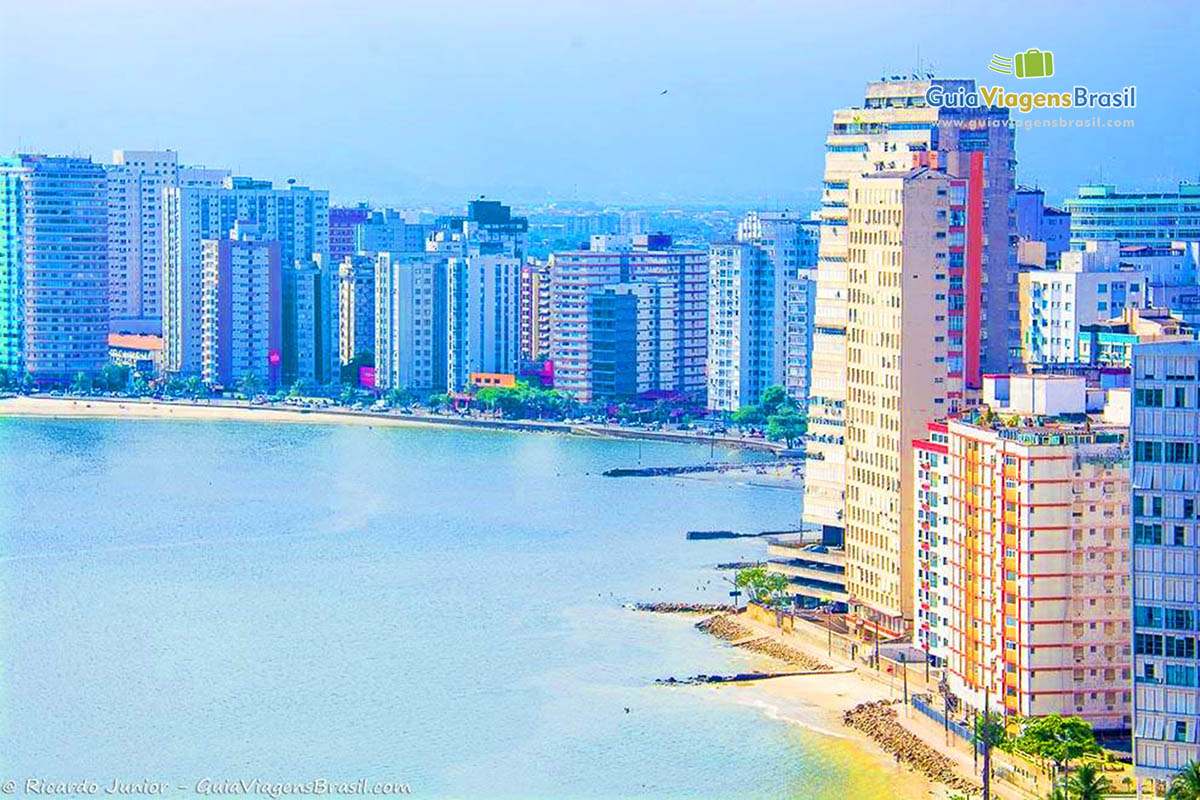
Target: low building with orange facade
[(1022, 558)]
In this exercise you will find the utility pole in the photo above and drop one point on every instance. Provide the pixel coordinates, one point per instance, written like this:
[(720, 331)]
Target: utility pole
[(987, 743), (904, 668)]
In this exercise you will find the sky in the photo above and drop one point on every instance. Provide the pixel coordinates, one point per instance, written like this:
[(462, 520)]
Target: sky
[(653, 102)]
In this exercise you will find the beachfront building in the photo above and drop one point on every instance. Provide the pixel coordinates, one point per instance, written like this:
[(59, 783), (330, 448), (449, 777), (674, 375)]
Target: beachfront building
[(576, 275), (1024, 569), (1110, 343), (894, 122), (752, 283), (1100, 213), (410, 315), (1044, 226), (297, 217), (137, 183), (1165, 438), (140, 352), (53, 298), (356, 298), (633, 339), (535, 311), (484, 324), (815, 568), (240, 310), (305, 315), (910, 357), (1090, 286)]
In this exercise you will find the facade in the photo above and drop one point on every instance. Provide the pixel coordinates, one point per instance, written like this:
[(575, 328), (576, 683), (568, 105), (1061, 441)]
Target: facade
[(296, 217), (241, 310), (356, 298), (799, 310), (389, 231), (576, 275), (894, 123), (483, 299), (344, 222), (54, 299), (141, 352), (634, 342), (751, 282), (305, 313), (1165, 436), (1038, 222), (1090, 286), (1100, 213), (535, 311), (410, 322), (909, 359), (1024, 568), (137, 183)]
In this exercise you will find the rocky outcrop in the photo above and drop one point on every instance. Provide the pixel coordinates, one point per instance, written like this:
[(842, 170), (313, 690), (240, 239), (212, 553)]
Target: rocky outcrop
[(729, 629), (880, 722)]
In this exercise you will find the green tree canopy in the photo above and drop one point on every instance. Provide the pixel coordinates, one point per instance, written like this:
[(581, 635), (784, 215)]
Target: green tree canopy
[(1056, 738), (787, 424), (1087, 783), (1186, 783)]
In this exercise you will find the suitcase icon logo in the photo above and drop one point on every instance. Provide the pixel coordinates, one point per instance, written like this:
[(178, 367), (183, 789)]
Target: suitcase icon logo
[(1033, 63)]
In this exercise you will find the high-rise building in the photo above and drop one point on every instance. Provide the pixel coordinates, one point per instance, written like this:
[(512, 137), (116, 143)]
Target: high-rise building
[(883, 134), (1165, 436), (389, 231), (1101, 213), (484, 324), (137, 182), (241, 309), (410, 321), (535, 310), (55, 267), (751, 280), (356, 296), (633, 338), (1022, 552), (1089, 286), (910, 358), (344, 222), (305, 315), (1045, 225), (297, 217), (577, 274)]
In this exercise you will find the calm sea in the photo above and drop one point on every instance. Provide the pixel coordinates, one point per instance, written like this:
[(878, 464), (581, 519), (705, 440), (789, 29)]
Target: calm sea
[(441, 608)]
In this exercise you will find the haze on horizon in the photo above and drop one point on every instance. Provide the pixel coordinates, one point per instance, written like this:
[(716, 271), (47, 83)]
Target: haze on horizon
[(672, 102)]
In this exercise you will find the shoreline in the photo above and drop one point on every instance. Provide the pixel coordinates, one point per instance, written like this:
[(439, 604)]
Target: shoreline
[(234, 411)]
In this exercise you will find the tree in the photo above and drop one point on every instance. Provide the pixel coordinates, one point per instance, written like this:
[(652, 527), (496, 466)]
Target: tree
[(115, 377), (1087, 783), (762, 586), (748, 416), (773, 399), (349, 395), (1056, 738), (1057, 792), (787, 424), (250, 384), (1186, 783), (301, 388), (82, 384)]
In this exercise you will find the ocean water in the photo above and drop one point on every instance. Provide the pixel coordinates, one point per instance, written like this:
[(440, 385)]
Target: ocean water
[(236, 601)]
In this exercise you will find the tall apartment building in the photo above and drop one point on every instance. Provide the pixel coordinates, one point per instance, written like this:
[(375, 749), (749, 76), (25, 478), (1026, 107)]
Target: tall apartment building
[(137, 184), (306, 298), (912, 352), (410, 321), (750, 319), (1022, 552), (484, 325), (389, 231), (633, 337), (1100, 213), (1044, 225), (1110, 343), (344, 222), (1165, 436), (576, 275), (535, 310), (893, 123), (297, 217), (356, 298), (1089, 286), (241, 309), (53, 298), (799, 310)]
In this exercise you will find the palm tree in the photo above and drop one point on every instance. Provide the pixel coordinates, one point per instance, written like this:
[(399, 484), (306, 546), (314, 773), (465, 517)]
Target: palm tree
[(1057, 793), (1186, 783), (1087, 783)]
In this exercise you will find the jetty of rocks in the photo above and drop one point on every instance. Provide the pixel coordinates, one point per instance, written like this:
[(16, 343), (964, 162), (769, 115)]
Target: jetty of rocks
[(880, 722), (729, 629)]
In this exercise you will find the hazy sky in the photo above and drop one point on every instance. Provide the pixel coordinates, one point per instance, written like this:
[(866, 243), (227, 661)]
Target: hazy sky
[(550, 99)]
